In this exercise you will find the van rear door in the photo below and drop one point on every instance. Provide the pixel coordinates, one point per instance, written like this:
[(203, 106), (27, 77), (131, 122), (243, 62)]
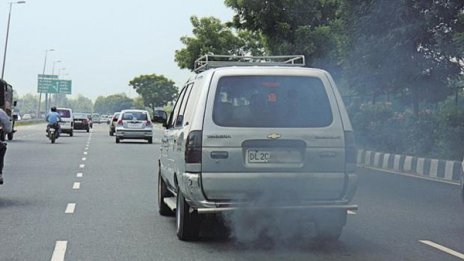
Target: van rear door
[(272, 132)]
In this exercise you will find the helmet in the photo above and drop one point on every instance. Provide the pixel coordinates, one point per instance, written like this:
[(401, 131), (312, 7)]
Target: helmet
[(53, 108)]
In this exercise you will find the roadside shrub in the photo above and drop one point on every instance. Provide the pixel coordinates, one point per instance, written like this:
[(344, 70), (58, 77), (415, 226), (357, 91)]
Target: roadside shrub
[(451, 132), (437, 133)]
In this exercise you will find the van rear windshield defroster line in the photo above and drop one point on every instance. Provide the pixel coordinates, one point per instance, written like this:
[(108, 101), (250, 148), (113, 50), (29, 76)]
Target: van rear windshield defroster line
[(271, 101)]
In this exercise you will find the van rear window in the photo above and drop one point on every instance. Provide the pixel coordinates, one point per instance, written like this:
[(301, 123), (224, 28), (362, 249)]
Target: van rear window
[(271, 101), (64, 113)]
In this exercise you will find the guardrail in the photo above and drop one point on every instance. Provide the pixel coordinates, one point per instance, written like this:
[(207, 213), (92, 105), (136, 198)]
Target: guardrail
[(447, 170)]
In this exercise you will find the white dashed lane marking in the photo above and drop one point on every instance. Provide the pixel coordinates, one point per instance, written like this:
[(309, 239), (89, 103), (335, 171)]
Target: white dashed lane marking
[(85, 152), (76, 185), (84, 159), (350, 212), (443, 249), (79, 175), (81, 166), (70, 208), (60, 251)]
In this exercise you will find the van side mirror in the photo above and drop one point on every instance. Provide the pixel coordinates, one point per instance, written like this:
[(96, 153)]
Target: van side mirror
[(159, 119), (15, 117)]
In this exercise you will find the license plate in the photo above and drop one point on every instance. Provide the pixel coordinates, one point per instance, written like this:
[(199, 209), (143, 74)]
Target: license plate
[(258, 156), (134, 125)]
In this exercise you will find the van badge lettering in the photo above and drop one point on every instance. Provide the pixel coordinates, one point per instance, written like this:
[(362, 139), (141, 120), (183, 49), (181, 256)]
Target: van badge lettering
[(273, 136), (219, 136)]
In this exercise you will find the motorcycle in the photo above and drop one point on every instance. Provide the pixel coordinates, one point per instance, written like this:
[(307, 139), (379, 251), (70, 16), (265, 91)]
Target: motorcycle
[(53, 133)]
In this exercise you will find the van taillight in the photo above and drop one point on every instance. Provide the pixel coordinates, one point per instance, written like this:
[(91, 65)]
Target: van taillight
[(193, 147), (120, 122), (350, 152)]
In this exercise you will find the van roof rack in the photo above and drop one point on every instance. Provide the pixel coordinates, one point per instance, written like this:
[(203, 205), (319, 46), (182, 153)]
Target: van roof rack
[(214, 61)]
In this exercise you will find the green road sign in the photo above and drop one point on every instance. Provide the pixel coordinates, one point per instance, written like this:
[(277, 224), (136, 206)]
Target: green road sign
[(51, 84), (45, 83), (64, 86)]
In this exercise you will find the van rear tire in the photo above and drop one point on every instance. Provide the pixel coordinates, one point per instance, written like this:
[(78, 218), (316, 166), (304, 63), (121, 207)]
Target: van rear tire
[(187, 223)]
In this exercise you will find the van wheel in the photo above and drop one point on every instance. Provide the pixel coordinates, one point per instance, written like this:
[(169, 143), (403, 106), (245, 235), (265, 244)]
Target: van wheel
[(111, 133), (117, 140), (186, 222), (330, 224), (163, 192), (71, 134), (150, 140), (10, 136)]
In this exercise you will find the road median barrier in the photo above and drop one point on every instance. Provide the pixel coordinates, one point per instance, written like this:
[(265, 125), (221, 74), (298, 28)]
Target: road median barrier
[(446, 170)]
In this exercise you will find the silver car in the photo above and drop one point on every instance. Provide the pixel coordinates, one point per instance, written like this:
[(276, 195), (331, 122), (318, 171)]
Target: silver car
[(134, 124), (258, 137)]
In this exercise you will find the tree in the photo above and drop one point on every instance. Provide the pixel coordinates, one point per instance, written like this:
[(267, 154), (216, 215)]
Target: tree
[(395, 49), (293, 27), (81, 104), (211, 36), (27, 104), (113, 103), (155, 90), (138, 103)]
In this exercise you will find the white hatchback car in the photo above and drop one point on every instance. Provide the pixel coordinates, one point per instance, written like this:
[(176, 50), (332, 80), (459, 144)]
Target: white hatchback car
[(134, 124)]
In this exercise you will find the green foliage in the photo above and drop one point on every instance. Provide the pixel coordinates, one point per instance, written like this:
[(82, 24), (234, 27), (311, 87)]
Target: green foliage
[(451, 131), (436, 134), (27, 104), (401, 48), (155, 90), (138, 103), (211, 36), (113, 103), (303, 27), (80, 104)]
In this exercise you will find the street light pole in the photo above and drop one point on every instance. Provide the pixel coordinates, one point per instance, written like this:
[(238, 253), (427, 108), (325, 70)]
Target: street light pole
[(7, 34), (43, 72), (53, 67), (49, 98)]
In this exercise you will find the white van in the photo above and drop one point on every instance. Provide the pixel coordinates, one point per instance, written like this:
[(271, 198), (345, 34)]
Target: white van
[(257, 133), (67, 120)]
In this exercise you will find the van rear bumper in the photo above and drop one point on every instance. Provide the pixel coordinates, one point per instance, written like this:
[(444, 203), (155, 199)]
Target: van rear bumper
[(191, 187)]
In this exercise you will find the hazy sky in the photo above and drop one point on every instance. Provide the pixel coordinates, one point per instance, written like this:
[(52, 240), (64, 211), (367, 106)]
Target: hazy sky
[(102, 44)]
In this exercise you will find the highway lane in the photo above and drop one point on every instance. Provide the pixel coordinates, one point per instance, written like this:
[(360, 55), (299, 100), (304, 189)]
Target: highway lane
[(115, 215)]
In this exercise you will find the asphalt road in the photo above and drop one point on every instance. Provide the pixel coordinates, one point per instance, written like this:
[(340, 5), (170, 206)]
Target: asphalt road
[(114, 216)]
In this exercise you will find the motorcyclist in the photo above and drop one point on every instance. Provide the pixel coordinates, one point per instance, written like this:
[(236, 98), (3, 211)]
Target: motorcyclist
[(53, 118)]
